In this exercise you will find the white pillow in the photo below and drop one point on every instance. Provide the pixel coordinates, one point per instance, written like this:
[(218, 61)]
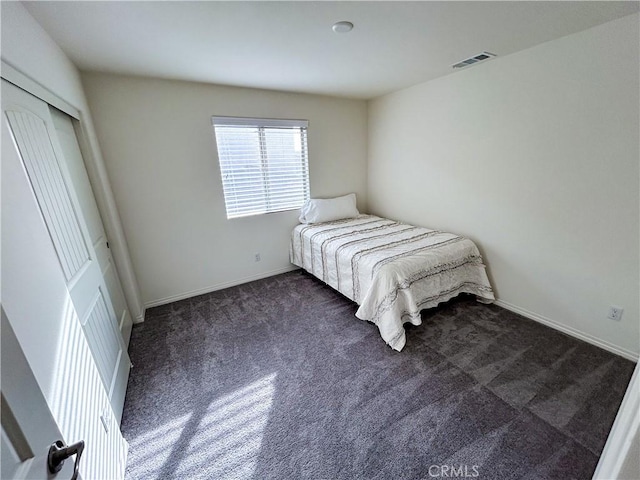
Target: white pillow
[(318, 210)]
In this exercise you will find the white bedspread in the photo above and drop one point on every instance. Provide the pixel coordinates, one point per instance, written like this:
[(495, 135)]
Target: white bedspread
[(391, 270)]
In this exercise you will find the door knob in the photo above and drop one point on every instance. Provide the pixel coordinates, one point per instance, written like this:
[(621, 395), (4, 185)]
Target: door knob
[(59, 452)]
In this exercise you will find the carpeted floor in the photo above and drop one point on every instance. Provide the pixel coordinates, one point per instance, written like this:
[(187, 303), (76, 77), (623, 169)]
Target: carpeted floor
[(276, 379)]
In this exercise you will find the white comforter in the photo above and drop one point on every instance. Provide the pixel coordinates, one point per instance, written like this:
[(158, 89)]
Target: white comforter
[(391, 270)]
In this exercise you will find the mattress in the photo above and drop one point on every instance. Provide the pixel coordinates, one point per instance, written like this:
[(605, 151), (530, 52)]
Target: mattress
[(392, 270)]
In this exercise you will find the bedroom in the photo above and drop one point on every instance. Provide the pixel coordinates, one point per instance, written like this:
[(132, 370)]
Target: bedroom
[(538, 156)]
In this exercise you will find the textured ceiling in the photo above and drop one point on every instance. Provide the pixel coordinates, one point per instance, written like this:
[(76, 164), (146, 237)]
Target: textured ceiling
[(290, 45)]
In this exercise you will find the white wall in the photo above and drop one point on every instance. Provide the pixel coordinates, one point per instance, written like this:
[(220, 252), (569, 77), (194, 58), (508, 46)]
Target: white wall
[(159, 149), (30, 50), (535, 157), (26, 46)]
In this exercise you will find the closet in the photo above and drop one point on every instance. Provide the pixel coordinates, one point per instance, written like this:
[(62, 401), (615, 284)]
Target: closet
[(60, 290)]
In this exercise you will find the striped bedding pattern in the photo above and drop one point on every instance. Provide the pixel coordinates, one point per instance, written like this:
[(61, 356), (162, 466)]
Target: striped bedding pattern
[(392, 270)]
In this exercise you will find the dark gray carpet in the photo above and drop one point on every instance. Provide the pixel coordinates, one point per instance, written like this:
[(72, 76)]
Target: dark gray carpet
[(276, 379)]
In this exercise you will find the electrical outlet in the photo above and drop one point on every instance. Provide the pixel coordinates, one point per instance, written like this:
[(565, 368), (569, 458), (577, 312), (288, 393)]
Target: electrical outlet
[(615, 313), (257, 257)]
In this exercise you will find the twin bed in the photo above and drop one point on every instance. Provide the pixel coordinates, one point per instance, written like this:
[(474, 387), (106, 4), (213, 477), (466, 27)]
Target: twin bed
[(390, 269)]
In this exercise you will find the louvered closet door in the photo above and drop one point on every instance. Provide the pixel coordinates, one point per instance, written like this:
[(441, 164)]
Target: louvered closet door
[(35, 137)]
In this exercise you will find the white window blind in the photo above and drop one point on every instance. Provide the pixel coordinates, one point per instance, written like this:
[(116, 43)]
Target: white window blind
[(264, 164)]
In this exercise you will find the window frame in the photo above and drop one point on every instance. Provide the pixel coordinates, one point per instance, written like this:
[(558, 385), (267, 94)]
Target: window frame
[(265, 206)]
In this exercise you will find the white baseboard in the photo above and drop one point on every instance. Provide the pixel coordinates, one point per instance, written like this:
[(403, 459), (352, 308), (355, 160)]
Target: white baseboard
[(569, 330), (140, 318), (219, 286)]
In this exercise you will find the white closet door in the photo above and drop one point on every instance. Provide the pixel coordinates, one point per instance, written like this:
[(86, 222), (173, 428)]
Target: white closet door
[(80, 180), (31, 126)]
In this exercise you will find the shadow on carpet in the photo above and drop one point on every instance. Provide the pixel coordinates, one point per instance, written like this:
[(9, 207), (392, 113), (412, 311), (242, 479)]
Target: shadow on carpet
[(277, 379)]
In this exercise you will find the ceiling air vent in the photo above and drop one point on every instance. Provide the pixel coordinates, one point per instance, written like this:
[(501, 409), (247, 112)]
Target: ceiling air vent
[(470, 61)]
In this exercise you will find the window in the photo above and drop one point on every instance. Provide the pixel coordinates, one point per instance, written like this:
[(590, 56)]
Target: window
[(264, 164)]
